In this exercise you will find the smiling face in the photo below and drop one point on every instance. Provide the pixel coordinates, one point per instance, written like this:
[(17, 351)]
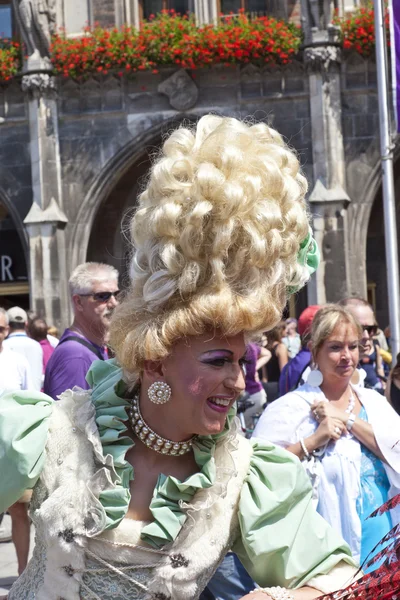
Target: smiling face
[(206, 375), (339, 354)]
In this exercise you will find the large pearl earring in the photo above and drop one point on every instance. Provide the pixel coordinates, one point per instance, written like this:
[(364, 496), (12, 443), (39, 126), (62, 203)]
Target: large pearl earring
[(159, 392), (315, 378)]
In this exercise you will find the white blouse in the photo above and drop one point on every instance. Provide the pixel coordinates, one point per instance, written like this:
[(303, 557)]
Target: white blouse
[(289, 418)]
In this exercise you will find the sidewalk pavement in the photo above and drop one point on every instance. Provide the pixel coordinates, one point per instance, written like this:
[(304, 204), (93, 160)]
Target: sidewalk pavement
[(8, 560)]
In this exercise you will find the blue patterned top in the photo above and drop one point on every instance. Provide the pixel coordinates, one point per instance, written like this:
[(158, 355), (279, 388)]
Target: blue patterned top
[(374, 492)]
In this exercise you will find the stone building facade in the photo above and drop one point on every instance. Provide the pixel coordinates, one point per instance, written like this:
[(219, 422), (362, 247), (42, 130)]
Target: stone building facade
[(73, 156)]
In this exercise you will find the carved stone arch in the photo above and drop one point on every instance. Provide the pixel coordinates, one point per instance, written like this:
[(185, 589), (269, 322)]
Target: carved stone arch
[(19, 224), (359, 224), (108, 178)]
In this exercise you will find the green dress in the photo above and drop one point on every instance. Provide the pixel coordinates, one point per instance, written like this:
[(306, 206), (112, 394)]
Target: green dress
[(282, 540)]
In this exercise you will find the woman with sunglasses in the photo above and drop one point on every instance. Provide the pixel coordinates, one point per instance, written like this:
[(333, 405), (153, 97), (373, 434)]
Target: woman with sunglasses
[(348, 437), (143, 485)]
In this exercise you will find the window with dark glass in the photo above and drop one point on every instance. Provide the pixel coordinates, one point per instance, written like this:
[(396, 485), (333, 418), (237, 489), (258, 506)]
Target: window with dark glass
[(230, 6), (6, 20), (152, 7), (256, 8)]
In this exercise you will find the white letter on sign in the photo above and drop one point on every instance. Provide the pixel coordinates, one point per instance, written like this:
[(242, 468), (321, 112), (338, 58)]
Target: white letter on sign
[(5, 266)]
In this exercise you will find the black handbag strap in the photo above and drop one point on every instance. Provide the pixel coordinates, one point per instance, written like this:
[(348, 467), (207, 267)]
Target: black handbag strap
[(92, 347)]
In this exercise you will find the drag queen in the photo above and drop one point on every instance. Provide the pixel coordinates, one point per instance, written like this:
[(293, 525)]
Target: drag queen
[(141, 486)]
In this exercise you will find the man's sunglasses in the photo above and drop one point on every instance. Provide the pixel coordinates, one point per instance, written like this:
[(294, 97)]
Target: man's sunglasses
[(370, 329), (102, 296)]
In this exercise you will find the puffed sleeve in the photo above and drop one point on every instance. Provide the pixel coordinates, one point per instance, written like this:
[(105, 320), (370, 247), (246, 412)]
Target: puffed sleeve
[(283, 540), (24, 421)]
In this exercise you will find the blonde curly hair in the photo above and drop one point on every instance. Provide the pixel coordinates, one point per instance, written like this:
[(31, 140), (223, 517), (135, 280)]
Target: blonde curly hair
[(216, 237)]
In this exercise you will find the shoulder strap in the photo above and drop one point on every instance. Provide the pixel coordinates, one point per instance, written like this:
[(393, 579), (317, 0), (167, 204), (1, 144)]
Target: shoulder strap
[(92, 347)]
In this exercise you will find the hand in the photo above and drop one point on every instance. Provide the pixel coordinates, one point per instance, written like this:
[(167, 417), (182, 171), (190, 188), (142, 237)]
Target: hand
[(329, 429), (321, 409)]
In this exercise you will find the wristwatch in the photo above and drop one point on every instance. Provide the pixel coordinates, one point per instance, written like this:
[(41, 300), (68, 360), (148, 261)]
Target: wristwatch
[(350, 421)]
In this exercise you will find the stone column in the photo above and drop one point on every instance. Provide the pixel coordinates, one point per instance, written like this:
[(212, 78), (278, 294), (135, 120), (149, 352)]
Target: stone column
[(46, 221), (328, 198)]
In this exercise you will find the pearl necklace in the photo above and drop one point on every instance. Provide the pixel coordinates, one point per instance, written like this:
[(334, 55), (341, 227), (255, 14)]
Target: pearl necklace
[(352, 403), (151, 439)]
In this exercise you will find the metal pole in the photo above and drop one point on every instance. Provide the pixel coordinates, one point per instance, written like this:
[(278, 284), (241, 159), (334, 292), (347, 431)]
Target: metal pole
[(393, 62), (389, 211)]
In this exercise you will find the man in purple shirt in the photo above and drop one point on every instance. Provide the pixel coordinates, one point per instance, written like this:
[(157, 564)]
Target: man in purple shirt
[(94, 291)]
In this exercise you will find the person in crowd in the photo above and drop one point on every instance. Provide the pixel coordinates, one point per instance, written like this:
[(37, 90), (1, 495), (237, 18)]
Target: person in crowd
[(372, 363), (19, 341), (94, 291), (385, 355), (15, 370), (291, 338), (381, 339), (392, 391), (32, 315), (294, 372), (370, 358), (53, 335), (347, 436), (279, 358), (256, 358), (37, 330), (387, 335), (144, 483), (15, 374)]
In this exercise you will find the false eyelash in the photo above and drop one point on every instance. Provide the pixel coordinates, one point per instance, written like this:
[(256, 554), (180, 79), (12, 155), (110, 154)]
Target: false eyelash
[(244, 361)]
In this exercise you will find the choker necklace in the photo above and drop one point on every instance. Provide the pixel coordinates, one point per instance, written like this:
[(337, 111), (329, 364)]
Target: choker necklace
[(151, 439)]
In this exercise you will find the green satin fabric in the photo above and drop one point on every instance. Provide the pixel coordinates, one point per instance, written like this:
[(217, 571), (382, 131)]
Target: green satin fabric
[(283, 541), (24, 422), (308, 256)]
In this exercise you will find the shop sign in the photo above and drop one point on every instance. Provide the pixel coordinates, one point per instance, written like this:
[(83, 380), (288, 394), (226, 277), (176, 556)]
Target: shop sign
[(6, 269)]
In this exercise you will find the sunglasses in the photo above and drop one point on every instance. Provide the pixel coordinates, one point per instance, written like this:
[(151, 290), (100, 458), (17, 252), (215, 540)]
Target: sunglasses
[(3, 329), (102, 296), (370, 329)]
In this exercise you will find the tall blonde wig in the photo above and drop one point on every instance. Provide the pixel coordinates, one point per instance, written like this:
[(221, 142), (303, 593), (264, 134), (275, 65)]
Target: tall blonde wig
[(216, 237)]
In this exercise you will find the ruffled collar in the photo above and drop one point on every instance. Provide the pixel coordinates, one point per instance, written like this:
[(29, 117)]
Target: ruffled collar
[(170, 494)]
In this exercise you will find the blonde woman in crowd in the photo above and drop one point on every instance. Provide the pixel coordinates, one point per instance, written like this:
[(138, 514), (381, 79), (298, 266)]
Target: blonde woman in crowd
[(347, 436)]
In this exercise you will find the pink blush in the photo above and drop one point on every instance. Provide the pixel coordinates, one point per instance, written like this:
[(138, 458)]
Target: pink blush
[(195, 387)]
